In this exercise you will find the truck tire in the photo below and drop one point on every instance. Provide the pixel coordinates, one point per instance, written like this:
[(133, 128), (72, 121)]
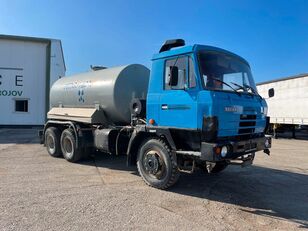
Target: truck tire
[(52, 141), (68, 146), (156, 164)]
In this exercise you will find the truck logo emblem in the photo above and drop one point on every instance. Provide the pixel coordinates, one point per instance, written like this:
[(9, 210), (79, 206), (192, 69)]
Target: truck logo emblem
[(230, 109)]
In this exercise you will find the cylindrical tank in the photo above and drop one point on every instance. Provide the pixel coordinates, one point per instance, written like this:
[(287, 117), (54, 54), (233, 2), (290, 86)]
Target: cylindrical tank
[(110, 89)]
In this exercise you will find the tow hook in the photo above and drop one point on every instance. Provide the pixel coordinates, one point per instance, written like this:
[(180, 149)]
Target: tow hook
[(244, 161), (210, 166), (267, 151)]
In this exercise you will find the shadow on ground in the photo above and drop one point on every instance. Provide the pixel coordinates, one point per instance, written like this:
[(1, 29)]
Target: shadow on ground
[(105, 160), (299, 135), (19, 136), (258, 190), (264, 191)]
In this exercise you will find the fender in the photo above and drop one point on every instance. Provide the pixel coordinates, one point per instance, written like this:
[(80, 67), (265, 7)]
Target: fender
[(70, 123), (163, 132), (142, 132)]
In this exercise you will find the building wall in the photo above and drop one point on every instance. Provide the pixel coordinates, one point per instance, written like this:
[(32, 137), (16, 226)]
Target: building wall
[(23, 70), (57, 65)]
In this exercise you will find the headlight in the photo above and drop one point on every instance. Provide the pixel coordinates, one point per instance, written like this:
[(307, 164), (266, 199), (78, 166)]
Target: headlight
[(224, 151)]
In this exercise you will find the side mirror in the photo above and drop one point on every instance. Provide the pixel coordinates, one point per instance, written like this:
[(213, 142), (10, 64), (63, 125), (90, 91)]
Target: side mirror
[(174, 76), (271, 92)]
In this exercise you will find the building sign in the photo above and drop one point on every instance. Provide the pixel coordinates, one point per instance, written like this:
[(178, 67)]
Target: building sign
[(10, 92)]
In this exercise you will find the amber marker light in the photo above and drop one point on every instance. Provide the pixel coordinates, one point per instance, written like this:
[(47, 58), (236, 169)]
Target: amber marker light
[(151, 121), (217, 150)]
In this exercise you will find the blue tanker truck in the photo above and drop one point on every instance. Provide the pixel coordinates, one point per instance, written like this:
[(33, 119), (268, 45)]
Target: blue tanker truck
[(197, 108)]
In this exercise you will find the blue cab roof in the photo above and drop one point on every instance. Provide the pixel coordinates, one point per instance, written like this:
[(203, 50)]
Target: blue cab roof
[(192, 49)]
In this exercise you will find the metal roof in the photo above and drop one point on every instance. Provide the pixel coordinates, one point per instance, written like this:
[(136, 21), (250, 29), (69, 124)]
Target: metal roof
[(284, 78)]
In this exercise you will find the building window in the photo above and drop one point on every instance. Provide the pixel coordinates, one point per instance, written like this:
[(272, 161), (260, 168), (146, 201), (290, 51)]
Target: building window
[(21, 105)]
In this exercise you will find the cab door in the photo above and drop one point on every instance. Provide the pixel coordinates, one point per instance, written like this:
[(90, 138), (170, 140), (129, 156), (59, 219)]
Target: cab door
[(178, 101)]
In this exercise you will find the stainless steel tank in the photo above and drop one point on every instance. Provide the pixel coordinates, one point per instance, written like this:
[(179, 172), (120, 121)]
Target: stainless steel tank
[(110, 90)]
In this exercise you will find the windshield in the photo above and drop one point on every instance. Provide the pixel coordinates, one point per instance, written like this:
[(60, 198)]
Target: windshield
[(224, 72)]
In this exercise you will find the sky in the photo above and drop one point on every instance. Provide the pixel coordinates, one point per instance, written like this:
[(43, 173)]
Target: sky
[(271, 35)]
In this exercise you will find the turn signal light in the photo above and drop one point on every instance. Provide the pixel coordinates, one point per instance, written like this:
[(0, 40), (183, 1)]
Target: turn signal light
[(151, 121), (217, 150)]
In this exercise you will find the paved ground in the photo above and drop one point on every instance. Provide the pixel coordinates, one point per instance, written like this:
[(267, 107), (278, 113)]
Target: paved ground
[(38, 192)]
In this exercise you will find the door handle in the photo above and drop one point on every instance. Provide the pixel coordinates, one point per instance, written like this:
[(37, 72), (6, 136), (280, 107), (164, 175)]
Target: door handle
[(175, 107)]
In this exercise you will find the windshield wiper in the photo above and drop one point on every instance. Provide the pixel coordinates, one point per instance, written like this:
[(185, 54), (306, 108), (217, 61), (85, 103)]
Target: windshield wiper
[(239, 86), (252, 90), (218, 80), (247, 87)]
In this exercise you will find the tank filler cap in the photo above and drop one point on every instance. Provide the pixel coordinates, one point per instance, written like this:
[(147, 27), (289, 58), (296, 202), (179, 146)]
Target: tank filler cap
[(97, 68), (171, 44)]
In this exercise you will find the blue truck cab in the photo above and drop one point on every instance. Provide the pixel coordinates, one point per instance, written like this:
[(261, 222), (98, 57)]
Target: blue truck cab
[(204, 101)]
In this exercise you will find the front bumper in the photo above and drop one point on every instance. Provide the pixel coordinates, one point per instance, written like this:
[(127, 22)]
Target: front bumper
[(210, 151)]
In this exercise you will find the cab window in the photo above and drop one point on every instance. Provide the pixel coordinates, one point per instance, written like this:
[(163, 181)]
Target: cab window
[(177, 68), (192, 74)]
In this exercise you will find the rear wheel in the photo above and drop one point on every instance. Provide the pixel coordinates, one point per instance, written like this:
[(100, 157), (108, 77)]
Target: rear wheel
[(157, 164), (52, 141), (69, 146)]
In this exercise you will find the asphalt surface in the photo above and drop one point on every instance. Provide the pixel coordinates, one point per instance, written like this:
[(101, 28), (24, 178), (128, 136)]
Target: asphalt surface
[(38, 192)]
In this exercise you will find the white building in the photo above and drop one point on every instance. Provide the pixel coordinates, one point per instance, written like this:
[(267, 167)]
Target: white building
[(28, 67)]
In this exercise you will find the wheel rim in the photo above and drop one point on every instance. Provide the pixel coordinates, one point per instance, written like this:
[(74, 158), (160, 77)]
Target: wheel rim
[(50, 142), (68, 146), (154, 165)]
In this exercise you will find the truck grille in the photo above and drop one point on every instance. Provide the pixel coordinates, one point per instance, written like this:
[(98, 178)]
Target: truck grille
[(248, 117), (246, 131), (247, 124)]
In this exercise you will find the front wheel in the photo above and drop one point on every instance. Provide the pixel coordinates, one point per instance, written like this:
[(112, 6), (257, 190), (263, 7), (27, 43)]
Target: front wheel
[(156, 164)]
